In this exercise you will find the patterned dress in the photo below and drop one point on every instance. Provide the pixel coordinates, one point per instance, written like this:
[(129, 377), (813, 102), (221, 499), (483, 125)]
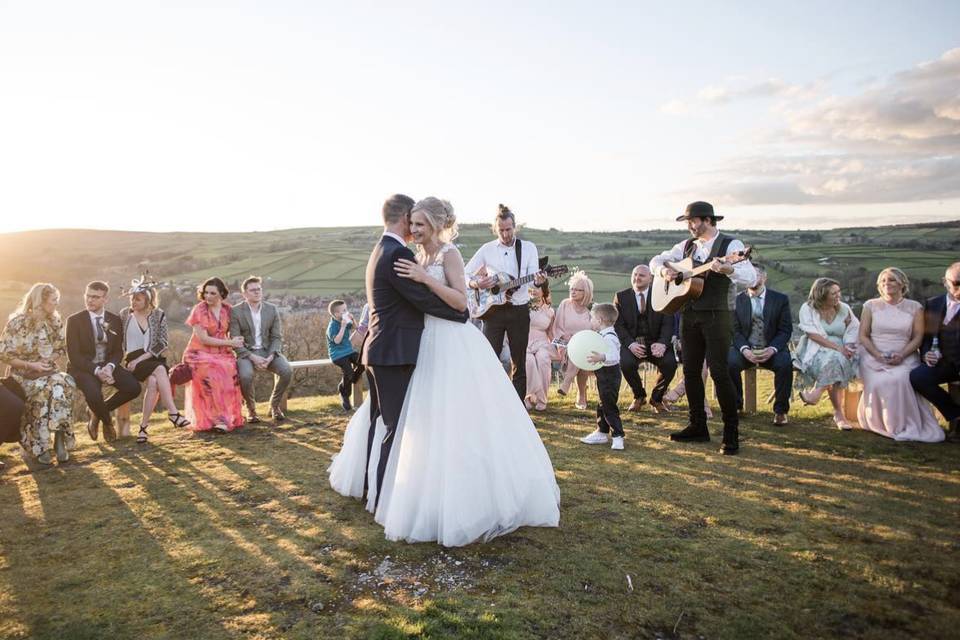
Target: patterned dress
[(214, 393), (49, 404), (829, 367)]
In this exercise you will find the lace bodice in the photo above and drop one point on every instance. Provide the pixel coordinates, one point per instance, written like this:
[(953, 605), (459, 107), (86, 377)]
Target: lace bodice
[(435, 267)]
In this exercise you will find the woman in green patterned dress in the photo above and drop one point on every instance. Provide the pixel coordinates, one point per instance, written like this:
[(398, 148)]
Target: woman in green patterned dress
[(30, 343)]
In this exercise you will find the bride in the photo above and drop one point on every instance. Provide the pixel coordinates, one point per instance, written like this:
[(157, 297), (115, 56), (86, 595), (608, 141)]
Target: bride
[(467, 463)]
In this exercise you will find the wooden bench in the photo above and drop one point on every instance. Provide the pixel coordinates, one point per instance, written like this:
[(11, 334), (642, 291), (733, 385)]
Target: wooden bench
[(323, 362), (123, 413)]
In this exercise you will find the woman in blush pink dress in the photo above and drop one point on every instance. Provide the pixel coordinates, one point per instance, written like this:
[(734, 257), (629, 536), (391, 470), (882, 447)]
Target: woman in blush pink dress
[(213, 398), (540, 349), (573, 315), (891, 328)]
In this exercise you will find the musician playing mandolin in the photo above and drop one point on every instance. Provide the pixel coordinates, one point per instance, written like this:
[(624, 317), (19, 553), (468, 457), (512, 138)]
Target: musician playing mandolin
[(706, 323), (507, 254)]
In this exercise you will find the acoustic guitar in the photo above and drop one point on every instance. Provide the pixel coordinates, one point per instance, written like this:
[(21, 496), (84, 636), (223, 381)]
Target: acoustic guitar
[(479, 301), (669, 296)]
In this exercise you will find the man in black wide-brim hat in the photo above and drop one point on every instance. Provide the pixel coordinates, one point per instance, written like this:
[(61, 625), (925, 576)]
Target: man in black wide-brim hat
[(706, 324)]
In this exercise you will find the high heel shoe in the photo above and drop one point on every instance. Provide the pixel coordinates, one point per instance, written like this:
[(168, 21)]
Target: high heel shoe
[(143, 436), (842, 424), (178, 419), (807, 401)]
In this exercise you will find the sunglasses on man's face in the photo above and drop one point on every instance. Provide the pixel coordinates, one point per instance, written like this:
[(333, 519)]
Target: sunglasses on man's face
[(953, 283)]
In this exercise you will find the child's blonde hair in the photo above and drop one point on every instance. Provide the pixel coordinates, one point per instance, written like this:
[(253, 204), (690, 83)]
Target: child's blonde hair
[(605, 313)]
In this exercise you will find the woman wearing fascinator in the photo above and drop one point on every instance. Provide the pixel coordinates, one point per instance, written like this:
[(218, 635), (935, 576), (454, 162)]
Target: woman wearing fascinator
[(145, 340)]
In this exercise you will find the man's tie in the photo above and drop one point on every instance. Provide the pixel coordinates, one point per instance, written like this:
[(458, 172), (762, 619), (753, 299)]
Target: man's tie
[(101, 335), (951, 311), (641, 303), (757, 309)]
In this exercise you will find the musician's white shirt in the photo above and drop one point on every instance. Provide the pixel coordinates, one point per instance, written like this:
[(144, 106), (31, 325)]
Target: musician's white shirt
[(499, 257), (744, 275)]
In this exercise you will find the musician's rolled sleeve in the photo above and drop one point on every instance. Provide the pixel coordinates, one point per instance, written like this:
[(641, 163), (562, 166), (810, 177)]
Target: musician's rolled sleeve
[(673, 255), (744, 275)]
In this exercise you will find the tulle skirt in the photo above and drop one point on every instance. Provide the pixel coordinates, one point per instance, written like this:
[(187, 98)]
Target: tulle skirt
[(467, 462)]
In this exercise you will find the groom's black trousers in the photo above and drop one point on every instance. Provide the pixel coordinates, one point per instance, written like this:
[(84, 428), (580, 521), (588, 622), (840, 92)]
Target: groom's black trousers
[(388, 389), (514, 322)]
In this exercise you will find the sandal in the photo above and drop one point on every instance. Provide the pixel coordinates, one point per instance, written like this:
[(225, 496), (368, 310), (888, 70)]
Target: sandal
[(143, 436), (178, 419)]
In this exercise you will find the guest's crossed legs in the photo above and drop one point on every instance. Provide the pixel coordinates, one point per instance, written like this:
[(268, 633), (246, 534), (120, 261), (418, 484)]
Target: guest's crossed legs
[(127, 388)]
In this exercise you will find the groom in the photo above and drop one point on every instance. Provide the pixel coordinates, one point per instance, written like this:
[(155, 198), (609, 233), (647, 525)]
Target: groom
[(397, 306)]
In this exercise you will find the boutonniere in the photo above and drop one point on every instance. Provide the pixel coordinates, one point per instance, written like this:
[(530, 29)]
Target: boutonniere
[(108, 328)]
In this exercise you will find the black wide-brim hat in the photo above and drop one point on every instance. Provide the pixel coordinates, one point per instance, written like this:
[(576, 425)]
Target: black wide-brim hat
[(699, 209)]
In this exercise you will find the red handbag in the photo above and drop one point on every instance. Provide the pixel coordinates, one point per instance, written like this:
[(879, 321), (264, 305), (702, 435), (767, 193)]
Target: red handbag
[(181, 374)]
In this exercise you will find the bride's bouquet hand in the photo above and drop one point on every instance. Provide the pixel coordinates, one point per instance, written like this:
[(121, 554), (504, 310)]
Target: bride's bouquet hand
[(410, 270)]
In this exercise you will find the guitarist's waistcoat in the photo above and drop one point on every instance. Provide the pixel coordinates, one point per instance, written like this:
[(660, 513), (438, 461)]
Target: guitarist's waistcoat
[(719, 293)]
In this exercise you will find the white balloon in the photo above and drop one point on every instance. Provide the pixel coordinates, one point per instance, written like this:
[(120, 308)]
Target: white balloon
[(580, 346)]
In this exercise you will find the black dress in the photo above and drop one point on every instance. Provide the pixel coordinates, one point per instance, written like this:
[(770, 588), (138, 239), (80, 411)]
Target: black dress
[(146, 367)]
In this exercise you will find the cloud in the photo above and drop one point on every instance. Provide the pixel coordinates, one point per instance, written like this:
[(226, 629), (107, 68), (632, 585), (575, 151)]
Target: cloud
[(736, 89), (896, 142)]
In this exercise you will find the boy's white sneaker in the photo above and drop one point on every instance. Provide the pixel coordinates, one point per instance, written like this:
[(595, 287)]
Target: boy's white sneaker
[(617, 444), (595, 438)]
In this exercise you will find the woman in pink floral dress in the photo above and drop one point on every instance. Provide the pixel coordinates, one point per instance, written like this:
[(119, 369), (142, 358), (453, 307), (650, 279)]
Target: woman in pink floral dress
[(213, 398)]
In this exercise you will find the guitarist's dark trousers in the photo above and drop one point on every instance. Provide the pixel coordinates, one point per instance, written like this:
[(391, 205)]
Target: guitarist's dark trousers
[(514, 321), (388, 389), (709, 334)]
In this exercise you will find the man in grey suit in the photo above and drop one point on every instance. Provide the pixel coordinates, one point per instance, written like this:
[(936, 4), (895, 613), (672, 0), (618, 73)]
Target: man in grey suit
[(259, 324)]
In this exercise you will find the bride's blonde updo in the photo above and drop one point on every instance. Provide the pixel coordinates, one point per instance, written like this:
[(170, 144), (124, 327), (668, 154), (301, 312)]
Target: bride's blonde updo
[(439, 214)]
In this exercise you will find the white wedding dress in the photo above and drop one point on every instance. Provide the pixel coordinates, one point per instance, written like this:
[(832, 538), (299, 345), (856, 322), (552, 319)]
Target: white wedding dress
[(467, 462)]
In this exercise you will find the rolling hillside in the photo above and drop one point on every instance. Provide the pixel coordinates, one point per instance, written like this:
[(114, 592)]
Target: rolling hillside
[(323, 262)]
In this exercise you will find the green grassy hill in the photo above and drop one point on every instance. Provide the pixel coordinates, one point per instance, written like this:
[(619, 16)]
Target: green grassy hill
[(324, 262)]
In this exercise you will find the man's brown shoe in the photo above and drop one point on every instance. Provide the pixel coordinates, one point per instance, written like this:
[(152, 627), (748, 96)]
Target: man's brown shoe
[(780, 419), (636, 404), (109, 433), (659, 407), (93, 426)]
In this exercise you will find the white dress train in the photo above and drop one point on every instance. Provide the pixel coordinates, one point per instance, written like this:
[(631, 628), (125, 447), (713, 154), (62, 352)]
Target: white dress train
[(467, 462)]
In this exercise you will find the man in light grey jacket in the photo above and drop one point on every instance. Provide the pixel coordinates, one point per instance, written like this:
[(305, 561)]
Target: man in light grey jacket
[(259, 324)]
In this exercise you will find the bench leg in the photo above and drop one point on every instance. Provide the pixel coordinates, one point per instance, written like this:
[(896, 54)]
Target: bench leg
[(358, 392), (851, 401), (750, 390), (123, 420)]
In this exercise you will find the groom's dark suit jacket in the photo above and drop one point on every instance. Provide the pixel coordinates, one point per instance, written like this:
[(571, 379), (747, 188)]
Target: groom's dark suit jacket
[(397, 306)]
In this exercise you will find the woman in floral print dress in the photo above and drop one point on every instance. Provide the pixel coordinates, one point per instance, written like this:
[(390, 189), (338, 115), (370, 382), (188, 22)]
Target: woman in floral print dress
[(31, 343)]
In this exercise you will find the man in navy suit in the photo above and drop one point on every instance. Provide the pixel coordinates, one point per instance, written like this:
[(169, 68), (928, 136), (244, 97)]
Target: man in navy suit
[(762, 326), (942, 321), (645, 335), (397, 307)]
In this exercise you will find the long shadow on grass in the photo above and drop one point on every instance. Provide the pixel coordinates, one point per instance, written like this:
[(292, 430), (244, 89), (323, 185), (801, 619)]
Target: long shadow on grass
[(83, 567)]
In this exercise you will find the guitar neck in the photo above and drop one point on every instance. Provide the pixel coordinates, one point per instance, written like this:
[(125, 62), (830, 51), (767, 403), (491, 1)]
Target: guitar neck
[(518, 281)]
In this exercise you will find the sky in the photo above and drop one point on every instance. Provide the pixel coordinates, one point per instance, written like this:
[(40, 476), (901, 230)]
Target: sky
[(205, 116)]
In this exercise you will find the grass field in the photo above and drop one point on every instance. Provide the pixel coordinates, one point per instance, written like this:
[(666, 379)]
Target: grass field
[(809, 533)]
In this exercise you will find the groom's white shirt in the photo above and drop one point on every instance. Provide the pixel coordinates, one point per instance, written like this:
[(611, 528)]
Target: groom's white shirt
[(391, 234)]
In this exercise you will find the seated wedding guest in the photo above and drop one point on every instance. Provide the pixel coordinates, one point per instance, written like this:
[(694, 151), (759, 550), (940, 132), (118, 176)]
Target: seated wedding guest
[(540, 349), (573, 315), (645, 336), (30, 343), (603, 316), (762, 326), (891, 328), (11, 412), (94, 352), (145, 339), (941, 350), (258, 323), (826, 356), (362, 325), (341, 350), (213, 396)]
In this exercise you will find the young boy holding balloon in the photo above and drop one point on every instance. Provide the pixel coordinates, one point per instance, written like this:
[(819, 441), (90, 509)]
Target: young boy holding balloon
[(602, 318)]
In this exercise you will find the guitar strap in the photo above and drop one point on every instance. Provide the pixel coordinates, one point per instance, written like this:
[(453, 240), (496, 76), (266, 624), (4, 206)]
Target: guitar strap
[(516, 246)]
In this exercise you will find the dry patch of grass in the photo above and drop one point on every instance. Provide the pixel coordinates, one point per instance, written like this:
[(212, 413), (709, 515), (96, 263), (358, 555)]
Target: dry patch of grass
[(810, 532)]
